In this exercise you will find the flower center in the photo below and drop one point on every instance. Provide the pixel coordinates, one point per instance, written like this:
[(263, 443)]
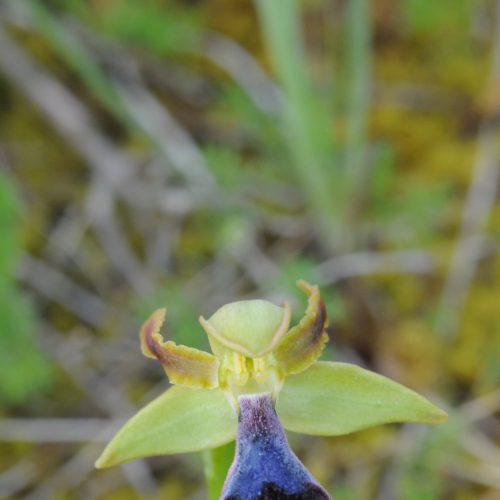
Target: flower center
[(240, 374)]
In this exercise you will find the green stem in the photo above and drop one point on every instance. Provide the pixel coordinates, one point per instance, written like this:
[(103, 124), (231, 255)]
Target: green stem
[(217, 462)]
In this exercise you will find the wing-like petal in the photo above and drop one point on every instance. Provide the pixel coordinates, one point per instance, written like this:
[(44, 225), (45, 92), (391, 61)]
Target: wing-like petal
[(180, 420), (330, 399), (302, 344), (183, 365)]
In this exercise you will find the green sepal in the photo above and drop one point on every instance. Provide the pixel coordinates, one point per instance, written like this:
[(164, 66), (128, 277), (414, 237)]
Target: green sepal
[(180, 420), (250, 327), (331, 399)]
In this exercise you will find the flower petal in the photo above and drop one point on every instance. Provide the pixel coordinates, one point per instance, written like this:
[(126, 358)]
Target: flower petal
[(302, 344), (183, 365), (338, 398), (180, 420)]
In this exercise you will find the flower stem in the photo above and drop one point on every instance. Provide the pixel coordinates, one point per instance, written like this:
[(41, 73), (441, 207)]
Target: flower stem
[(216, 464)]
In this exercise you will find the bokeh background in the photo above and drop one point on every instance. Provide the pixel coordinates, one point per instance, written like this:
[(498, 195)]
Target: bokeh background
[(191, 153)]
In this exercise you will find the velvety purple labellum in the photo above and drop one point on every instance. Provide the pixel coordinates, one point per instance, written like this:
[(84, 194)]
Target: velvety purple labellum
[(264, 466)]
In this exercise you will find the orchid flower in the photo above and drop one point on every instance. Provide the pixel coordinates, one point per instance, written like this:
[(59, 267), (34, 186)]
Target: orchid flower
[(254, 352)]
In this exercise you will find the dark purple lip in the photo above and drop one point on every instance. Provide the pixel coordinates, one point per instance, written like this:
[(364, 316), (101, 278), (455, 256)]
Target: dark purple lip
[(264, 466)]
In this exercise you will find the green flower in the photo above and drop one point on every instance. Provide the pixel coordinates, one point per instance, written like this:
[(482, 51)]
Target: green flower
[(255, 351)]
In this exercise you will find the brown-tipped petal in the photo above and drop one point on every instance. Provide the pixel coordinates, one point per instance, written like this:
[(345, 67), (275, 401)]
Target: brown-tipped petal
[(183, 365), (150, 331), (189, 367), (302, 344)]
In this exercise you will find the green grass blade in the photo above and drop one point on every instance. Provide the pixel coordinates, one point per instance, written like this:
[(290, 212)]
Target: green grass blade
[(357, 83), (306, 123)]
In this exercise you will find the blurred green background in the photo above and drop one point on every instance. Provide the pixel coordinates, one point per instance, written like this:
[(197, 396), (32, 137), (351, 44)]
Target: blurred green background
[(191, 153)]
